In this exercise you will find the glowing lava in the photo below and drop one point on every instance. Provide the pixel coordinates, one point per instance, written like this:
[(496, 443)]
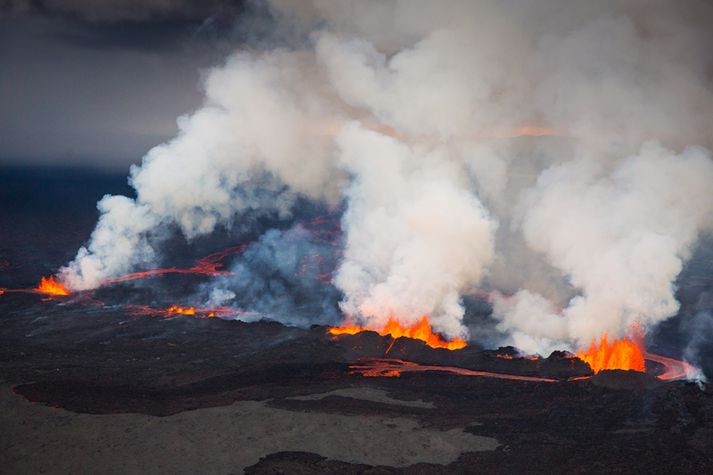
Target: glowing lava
[(393, 368), (505, 356), (620, 354), (210, 265), (49, 286), (673, 369), (176, 310), (421, 331)]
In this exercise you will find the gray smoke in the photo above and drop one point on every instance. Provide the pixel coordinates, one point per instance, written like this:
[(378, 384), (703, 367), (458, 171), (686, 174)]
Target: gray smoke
[(535, 147), (284, 276)]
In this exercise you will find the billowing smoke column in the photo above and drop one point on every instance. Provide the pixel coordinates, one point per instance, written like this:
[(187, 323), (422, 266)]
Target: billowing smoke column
[(426, 120), (416, 235), (621, 237)]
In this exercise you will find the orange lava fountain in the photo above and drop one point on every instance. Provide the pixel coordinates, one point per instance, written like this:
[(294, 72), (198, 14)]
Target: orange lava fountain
[(176, 310), (620, 354), (421, 331), (51, 287)]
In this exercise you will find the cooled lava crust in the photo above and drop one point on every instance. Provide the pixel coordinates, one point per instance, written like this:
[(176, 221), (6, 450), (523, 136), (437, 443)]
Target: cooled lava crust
[(102, 361)]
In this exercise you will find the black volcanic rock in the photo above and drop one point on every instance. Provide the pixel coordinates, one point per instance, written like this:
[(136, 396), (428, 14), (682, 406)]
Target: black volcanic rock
[(559, 365), (621, 379), (101, 360), (562, 365)]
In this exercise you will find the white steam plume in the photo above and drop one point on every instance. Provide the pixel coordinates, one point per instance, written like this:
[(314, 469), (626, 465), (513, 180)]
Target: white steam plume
[(417, 237), (620, 237), (244, 150), (412, 111)]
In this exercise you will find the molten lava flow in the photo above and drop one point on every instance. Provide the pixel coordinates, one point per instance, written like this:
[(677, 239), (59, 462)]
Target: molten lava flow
[(322, 229), (393, 368), (421, 331), (505, 356), (346, 330), (210, 265), (51, 287), (176, 310), (620, 354), (673, 369)]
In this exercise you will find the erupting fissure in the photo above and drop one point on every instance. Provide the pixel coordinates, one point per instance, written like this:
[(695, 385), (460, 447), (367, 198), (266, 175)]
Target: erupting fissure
[(49, 286), (175, 309), (420, 331), (623, 354)]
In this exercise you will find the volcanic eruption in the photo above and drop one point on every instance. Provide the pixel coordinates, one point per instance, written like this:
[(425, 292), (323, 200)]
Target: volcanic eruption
[(619, 354), (393, 236), (49, 286), (472, 149), (421, 331)]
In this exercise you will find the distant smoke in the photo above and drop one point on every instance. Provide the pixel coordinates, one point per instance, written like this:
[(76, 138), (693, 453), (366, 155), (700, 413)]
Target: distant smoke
[(698, 350), (284, 276), (413, 113)]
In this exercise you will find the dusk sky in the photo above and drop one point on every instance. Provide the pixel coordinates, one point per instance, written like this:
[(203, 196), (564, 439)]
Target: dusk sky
[(100, 83)]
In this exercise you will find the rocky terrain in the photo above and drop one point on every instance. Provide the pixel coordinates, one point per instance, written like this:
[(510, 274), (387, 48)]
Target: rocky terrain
[(87, 386)]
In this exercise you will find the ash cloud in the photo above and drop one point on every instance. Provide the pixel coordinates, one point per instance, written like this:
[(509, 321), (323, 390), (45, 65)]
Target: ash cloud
[(473, 145)]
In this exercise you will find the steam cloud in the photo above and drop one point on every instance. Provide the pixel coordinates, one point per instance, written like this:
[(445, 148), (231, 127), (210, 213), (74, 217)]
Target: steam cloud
[(413, 114)]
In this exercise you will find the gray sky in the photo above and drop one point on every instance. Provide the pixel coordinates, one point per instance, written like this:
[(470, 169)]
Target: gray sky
[(102, 82)]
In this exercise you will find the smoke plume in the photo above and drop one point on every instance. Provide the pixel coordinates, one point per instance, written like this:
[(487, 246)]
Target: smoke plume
[(284, 276), (620, 238), (551, 149)]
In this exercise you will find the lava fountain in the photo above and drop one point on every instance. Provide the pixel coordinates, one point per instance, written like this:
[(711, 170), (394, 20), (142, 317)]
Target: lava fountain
[(623, 354), (420, 331), (49, 286), (176, 310)]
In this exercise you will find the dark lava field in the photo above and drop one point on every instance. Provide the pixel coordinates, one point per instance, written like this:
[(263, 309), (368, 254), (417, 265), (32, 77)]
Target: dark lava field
[(84, 382)]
